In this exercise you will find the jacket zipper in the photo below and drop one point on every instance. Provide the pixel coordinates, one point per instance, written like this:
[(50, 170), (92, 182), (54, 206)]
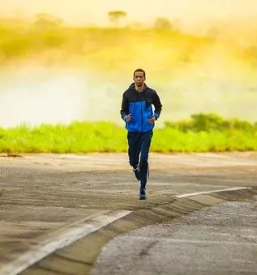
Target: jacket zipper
[(142, 115)]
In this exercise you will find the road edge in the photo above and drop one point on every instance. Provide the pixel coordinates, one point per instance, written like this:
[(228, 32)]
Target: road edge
[(81, 254)]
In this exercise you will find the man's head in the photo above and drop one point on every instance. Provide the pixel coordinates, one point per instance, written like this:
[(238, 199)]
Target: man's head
[(139, 77)]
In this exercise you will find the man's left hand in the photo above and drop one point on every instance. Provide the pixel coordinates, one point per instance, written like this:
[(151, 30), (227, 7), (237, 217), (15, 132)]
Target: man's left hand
[(152, 120)]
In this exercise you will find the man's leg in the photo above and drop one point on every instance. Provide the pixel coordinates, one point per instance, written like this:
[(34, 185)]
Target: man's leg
[(144, 166), (134, 140)]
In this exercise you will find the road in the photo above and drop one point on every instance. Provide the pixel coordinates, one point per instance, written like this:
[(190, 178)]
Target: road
[(219, 240), (59, 211)]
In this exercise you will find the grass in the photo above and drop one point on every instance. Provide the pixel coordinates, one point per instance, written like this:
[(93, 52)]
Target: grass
[(200, 133)]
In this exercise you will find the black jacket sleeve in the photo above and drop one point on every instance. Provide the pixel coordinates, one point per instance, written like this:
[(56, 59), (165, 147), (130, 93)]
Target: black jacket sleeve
[(124, 107), (157, 105)]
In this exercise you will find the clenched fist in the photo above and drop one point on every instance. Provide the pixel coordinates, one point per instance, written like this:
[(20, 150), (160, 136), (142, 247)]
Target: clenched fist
[(128, 118), (152, 120)]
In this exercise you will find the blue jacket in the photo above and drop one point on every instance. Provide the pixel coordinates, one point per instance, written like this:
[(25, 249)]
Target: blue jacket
[(139, 105)]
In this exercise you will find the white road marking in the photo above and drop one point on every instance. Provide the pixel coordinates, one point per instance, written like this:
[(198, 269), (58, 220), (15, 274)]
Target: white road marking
[(210, 192), (42, 250), (169, 240)]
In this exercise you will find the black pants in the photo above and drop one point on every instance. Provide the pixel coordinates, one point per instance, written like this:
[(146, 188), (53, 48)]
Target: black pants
[(140, 143)]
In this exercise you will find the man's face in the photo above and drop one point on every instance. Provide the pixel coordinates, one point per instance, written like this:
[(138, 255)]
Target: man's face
[(139, 78)]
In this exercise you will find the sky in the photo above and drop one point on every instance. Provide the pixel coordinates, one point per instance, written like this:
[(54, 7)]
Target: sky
[(95, 12)]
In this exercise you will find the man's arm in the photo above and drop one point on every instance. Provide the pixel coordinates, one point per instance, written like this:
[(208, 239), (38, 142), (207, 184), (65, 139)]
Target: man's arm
[(124, 107), (157, 105)]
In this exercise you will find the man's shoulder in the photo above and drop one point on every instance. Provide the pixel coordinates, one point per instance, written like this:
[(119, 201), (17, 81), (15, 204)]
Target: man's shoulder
[(151, 90), (126, 92)]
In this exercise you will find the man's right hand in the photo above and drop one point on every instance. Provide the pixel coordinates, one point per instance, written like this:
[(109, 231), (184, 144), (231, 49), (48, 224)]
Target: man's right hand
[(128, 118)]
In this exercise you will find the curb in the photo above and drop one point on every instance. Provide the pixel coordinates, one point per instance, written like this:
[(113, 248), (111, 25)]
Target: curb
[(80, 256)]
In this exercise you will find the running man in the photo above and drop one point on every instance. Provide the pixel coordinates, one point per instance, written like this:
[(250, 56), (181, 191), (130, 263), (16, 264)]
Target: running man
[(139, 117)]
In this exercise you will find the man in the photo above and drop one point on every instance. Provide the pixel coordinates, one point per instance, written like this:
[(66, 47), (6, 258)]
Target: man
[(137, 112)]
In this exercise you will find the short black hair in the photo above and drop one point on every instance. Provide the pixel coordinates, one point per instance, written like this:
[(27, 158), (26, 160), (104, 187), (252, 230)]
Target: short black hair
[(139, 70)]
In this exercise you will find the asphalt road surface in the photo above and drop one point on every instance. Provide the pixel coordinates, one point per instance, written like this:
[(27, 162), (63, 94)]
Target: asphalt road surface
[(67, 214), (220, 240)]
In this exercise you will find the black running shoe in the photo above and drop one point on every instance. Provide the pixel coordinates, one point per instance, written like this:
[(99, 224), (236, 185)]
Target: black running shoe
[(142, 195), (137, 173)]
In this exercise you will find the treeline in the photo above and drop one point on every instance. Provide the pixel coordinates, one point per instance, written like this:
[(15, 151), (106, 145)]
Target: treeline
[(21, 39), (212, 122)]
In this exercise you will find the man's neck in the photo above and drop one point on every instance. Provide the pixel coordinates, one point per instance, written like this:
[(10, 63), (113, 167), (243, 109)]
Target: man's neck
[(139, 88)]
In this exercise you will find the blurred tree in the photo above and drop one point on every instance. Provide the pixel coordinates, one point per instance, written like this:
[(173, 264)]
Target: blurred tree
[(162, 24), (115, 17), (213, 32), (46, 21)]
